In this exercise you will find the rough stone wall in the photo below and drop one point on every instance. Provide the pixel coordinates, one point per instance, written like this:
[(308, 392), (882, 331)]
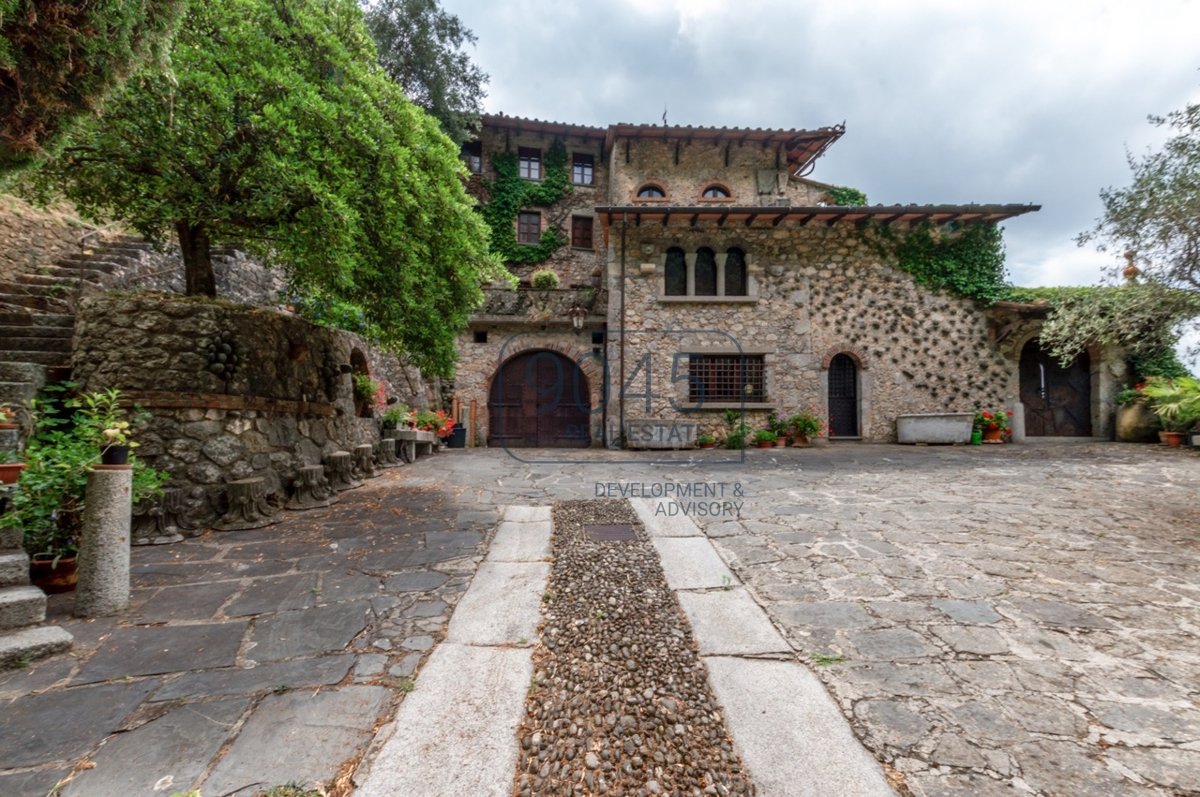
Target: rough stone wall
[(820, 291), (286, 404), (239, 278), (575, 267), (33, 237), (751, 176), (478, 363)]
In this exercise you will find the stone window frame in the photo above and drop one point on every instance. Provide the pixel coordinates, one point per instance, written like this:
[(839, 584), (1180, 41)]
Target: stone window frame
[(589, 170), (691, 297), (727, 199), (591, 232), (525, 218), (638, 199), (472, 155), (529, 163)]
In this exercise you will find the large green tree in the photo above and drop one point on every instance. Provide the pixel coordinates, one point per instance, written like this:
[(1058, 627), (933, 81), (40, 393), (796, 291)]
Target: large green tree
[(1158, 215), (274, 127), (421, 48), (60, 59)]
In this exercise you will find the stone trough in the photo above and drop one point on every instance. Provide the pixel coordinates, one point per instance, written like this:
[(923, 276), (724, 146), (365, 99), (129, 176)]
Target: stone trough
[(935, 428)]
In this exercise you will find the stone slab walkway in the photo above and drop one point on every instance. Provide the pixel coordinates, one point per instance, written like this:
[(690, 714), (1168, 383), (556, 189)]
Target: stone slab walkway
[(991, 620), (249, 659)]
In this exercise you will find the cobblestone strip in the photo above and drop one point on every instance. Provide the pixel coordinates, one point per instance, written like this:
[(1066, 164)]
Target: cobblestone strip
[(454, 734), (620, 702)]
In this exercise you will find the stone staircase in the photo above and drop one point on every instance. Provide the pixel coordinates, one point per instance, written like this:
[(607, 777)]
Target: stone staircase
[(37, 324)]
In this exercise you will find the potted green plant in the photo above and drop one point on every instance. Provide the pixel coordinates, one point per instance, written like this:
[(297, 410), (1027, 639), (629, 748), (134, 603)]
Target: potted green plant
[(780, 427), (543, 280), (765, 438), (48, 504), (804, 426), (1176, 402), (394, 416), (705, 440), (8, 417)]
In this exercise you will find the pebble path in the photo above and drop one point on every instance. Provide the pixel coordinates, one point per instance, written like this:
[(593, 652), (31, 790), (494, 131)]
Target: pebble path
[(620, 702)]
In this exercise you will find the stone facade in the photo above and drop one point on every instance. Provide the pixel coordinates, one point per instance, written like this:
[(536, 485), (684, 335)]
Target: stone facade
[(815, 288), (287, 403)]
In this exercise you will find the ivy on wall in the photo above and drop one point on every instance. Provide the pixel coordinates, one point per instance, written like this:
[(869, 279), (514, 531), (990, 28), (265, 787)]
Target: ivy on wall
[(509, 193), (968, 261), (844, 196)]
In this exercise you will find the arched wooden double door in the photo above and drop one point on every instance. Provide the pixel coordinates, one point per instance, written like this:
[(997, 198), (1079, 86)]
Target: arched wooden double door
[(1058, 401), (539, 399)]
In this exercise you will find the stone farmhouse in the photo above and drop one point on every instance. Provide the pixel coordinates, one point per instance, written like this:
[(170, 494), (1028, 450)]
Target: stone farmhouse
[(701, 269)]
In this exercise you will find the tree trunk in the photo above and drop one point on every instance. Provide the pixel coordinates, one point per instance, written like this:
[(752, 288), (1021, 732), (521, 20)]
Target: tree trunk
[(197, 259)]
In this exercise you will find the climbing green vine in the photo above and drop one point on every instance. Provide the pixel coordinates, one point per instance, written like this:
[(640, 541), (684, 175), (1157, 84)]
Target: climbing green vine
[(968, 261), (509, 193), (844, 196)]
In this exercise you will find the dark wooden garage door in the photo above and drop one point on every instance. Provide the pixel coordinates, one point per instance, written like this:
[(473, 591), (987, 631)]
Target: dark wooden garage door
[(539, 399), (1058, 401)]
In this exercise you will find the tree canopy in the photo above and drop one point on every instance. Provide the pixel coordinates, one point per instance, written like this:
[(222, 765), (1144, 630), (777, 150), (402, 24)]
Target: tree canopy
[(421, 48), (275, 128), (59, 60), (1158, 215)]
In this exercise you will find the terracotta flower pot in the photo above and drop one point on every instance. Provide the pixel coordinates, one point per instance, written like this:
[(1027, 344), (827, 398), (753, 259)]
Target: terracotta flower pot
[(10, 472), (993, 435), (800, 440), (1173, 439), (53, 577), (766, 443)]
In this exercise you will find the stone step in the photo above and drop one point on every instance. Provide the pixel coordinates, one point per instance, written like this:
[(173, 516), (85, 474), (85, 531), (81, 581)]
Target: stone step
[(33, 331), (39, 357), (11, 302), (24, 316), (18, 648), (17, 393), (10, 538), (59, 344), (20, 289), (89, 263), (72, 273), (18, 372), (21, 606), (14, 568), (70, 278)]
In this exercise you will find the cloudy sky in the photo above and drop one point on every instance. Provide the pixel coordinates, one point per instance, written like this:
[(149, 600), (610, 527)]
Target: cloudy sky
[(944, 102)]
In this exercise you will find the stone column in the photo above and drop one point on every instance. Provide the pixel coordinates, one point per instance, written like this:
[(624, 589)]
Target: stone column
[(104, 547)]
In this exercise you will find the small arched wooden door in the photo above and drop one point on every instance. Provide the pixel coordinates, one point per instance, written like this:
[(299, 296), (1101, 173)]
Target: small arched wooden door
[(539, 399), (1058, 401), (843, 397)]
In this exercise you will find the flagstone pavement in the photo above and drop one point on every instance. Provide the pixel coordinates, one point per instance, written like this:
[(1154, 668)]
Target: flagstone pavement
[(991, 620)]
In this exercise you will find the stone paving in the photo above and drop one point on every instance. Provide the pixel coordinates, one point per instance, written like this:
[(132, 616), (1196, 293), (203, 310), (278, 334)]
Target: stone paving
[(992, 620), (249, 659)]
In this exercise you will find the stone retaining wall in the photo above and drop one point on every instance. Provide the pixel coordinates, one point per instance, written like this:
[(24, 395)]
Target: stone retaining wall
[(286, 402)]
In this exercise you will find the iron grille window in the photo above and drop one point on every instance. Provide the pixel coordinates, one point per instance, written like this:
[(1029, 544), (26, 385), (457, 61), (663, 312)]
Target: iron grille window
[(726, 378), (529, 228), (529, 163), (581, 232), (583, 169)]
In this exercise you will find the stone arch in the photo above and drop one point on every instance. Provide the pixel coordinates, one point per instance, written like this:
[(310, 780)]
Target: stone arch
[(857, 355)]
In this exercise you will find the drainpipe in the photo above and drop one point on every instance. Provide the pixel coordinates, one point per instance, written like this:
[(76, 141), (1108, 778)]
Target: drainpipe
[(621, 355)]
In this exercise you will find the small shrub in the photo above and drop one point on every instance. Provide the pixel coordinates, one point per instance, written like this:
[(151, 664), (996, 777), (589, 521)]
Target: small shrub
[(543, 280)]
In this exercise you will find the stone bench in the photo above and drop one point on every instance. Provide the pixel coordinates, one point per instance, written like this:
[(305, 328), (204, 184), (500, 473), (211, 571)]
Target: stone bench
[(935, 428), (414, 442)]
